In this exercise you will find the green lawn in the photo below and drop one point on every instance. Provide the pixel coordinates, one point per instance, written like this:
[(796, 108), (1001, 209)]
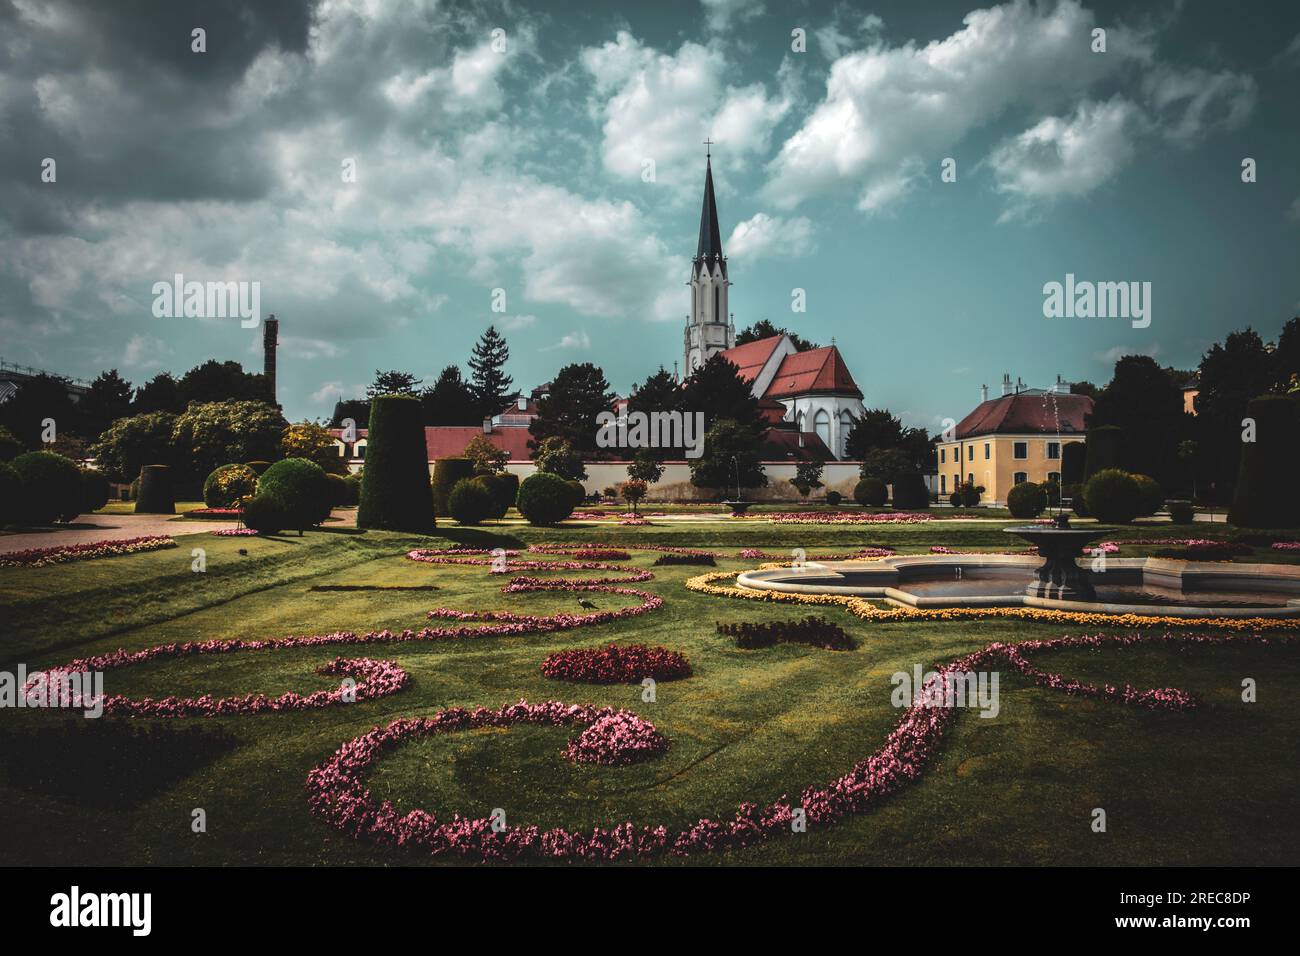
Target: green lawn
[(1215, 786)]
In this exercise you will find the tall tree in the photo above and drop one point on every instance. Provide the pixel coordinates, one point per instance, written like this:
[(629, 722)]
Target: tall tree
[(38, 399), (107, 400), (659, 393), (875, 428), (450, 400), (392, 382), (215, 381), (717, 390), (1286, 356), (732, 457), (763, 329), (1231, 375), (578, 394), (1143, 399), (487, 366), (130, 443), (162, 393)]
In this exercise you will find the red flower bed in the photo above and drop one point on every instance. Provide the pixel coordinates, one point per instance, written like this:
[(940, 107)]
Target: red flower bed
[(616, 664), (39, 557), (846, 517), (617, 740), (215, 513)]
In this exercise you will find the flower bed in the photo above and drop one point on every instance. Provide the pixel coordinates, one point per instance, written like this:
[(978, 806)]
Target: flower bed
[(846, 517), (861, 554), (616, 740), (616, 664), (669, 560), (235, 532), (61, 554), (940, 549), (214, 513), (813, 631)]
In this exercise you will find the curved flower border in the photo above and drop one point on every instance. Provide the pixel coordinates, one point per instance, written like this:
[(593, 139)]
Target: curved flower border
[(616, 664), (61, 554)]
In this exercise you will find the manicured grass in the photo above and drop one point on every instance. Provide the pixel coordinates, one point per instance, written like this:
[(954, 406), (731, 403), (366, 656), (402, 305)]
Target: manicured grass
[(1214, 786)]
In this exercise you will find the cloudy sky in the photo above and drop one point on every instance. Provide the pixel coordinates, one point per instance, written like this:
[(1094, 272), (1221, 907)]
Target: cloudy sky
[(510, 146)]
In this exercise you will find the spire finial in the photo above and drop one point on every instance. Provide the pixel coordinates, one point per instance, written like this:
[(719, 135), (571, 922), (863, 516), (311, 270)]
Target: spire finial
[(708, 148)]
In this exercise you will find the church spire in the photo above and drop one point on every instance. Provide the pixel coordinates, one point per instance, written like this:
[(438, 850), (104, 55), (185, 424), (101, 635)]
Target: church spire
[(710, 245)]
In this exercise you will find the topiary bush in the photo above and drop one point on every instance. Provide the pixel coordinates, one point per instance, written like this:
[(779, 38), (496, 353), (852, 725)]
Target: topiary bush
[(1152, 499), (49, 487), (1026, 500), (505, 489), (339, 490), (395, 490), (301, 489), (354, 488), (1113, 496), (1077, 504), (95, 490), (258, 466), (470, 502), (833, 498), (1270, 458), (156, 496), (1103, 450), (264, 515), (447, 472), (10, 494), (871, 493), (227, 484), (1181, 512), (910, 492), (1073, 455), (577, 491), (545, 499)]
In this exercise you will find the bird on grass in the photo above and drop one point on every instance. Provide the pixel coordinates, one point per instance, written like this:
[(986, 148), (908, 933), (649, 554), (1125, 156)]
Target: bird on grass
[(586, 605)]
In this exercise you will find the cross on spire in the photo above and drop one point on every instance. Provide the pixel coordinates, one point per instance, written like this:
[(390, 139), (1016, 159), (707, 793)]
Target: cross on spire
[(708, 148)]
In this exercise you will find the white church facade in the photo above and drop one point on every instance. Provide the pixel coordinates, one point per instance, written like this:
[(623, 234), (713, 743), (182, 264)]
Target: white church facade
[(815, 387)]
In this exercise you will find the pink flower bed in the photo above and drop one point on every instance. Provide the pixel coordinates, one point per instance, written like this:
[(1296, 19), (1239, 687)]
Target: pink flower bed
[(846, 517), (617, 740), (337, 791), (61, 554), (758, 554), (216, 512), (234, 533), (616, 664), (1286, 545), (940, 549)]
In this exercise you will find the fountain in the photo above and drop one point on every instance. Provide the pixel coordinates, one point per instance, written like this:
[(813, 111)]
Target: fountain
[(1060, 577)]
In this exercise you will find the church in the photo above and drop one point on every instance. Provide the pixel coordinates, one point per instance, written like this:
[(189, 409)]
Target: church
[(810, 396)]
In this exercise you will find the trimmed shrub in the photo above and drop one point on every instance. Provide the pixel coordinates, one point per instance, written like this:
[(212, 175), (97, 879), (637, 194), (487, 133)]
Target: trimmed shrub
[(1153, 498), (264, 515), (1053, 491), (671, 559), (1270, 458), (871, 492), (10, 494), (354, 488), (1026, 500), (395, 490), (966, 496), (95, 490), (227, 484), (339, 490), (1073, 456), (300, 488), (505, 489), (545, 499), (156, 496), (447, 473), (910, 492), (1112, 496), (1181, 512), (49, 487), (258, 466), (1077, 504), (814, 631), (1103, 450), (579, 493), (833, 498), (470, 502)]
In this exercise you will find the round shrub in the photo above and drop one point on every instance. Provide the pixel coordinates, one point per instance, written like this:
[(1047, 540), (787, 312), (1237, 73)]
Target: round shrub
[(1113, 496), (339, 490), (156, 496), (870, 492), (95, 490), (1181, 512), (300, 488), (1270, 458), (578, 492), (545, 499), (1152, 499), (264, 515), (498, 506), (833, 498), (49, 487), (1026, 500), (470, 502), (225, 485), (1103, 449), (447, 472), (910, 492), (10, 494), (1077, 504), (354, 488), (395, 491), (505, 489)]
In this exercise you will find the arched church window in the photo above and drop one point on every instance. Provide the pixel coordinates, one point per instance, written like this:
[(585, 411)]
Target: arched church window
[(822, 425), (717, 298), (846, 426), (798, 421)]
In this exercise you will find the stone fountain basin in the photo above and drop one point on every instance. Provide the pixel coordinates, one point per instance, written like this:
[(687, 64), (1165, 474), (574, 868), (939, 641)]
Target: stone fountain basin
[(1192, 588)]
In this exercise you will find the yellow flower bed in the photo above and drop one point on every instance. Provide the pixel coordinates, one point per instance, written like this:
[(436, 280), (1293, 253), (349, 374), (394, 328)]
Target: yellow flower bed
[(863, 608)]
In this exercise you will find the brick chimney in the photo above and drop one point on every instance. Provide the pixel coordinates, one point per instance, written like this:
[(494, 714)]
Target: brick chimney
[(270, 339)]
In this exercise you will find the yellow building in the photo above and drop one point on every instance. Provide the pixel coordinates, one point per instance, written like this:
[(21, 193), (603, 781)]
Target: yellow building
[(1015, 437)]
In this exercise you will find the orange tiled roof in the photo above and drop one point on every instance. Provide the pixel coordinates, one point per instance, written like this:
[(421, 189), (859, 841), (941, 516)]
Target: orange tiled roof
[(816, 370)]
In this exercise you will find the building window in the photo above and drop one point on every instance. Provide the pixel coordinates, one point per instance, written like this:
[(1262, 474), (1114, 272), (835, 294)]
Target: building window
[(846, 426), (1019, 478), (970, 452), (1054, 449), (970, 478), (943, 456), (822, 425), (1054, 476), (1020, 449), (717, 291), (359, 449), (986, 451), (943, 484)]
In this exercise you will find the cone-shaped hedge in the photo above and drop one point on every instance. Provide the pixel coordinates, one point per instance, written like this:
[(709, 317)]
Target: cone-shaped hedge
[(1072, 462), (446, 472), (395, 492), (155, 491), (1104, 450), (1266, 465)]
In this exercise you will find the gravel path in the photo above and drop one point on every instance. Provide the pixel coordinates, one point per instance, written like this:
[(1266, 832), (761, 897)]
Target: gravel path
[(92, 528)]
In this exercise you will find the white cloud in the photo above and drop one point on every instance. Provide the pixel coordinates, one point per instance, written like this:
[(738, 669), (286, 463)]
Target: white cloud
[(145, 352), (763, 236), (512, 323), (574, 340), (1189, 103), (719, 13)]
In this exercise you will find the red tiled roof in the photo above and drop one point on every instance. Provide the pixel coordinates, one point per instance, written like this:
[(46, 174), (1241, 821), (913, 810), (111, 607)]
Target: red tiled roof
[(448, 441), (781, 444), (772, 411), (752, 356), (816, 370), (1026, 413)]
